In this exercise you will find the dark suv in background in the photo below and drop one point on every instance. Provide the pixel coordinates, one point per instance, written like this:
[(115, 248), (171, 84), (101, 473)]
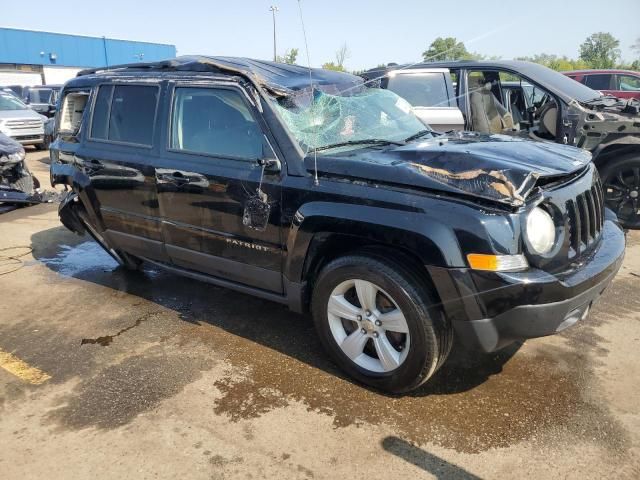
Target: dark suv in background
[(310, 189), (43, 99)]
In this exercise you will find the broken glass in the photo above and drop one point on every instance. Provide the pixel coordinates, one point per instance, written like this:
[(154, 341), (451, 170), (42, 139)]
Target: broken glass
[(319, 119)]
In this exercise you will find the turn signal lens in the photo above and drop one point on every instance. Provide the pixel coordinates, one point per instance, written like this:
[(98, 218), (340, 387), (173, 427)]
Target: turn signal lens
[(497, 263)]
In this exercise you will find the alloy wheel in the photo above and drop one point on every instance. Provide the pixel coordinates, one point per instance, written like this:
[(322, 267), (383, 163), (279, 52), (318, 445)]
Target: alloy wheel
[(622, 194), (368, 325)]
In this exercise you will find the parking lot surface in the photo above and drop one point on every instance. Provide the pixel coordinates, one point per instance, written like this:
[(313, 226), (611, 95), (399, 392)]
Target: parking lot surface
[(112, 374)]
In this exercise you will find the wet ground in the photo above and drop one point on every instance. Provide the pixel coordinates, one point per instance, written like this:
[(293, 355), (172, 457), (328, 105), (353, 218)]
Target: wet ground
[(150, 375)]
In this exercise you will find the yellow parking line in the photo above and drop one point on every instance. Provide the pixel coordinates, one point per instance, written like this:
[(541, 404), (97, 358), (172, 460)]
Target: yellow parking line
[(22, 370)]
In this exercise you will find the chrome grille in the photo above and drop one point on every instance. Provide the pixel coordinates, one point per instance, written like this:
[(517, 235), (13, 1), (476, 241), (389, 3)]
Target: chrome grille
[(23, 124), (585, 218)]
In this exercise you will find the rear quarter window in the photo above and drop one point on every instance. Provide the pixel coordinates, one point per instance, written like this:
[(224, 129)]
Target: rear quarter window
[(125, 114)]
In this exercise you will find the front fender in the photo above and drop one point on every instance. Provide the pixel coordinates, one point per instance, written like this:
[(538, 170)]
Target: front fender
[(433, 241)]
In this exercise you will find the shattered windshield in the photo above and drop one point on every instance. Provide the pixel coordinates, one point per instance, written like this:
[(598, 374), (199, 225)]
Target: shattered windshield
[(326, 120)]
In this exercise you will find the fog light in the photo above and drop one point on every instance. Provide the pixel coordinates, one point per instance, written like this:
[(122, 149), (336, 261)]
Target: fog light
[(497, 263)]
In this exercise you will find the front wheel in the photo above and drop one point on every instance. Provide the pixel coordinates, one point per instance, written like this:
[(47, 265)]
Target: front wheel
[(621, 184), (377, 321)]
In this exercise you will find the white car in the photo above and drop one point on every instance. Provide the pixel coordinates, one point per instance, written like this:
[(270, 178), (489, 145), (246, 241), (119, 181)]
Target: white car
[(21, 123)]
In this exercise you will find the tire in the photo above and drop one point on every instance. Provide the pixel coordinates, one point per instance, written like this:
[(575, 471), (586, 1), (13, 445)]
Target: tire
[(45, 143), (124, 259), (621, 184), (24, 183), (412, 352)]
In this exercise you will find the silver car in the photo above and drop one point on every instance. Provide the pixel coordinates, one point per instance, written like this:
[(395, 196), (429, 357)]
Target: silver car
[(21, 123)]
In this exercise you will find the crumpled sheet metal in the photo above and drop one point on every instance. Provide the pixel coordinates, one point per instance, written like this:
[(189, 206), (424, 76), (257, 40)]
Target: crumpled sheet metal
[(594, 126), (492, 184)]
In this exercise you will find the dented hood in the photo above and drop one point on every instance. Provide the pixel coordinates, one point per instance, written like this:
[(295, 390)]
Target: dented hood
[(492, 167)]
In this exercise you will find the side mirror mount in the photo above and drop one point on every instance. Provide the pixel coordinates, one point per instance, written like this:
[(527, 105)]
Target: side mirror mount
[(271, 165), (269, 160)]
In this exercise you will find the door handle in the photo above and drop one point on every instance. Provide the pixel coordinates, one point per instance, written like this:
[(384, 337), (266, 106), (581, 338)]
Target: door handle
[(176, 177)]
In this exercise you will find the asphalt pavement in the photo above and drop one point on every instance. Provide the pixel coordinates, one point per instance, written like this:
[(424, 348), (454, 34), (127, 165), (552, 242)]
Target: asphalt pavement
[(112, 374)]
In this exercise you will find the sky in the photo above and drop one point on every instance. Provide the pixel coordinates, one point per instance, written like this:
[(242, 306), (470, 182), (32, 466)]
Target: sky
[(374, 31)]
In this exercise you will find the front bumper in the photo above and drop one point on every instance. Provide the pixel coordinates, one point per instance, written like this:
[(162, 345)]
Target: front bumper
[(491, 310), (15, 196)]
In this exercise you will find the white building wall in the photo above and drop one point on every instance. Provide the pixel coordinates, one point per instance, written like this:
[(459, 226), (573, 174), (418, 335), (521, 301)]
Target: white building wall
[(59, 75), (15, 77)]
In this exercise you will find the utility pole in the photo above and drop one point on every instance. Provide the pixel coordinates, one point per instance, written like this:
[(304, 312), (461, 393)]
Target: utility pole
[(274, 9)]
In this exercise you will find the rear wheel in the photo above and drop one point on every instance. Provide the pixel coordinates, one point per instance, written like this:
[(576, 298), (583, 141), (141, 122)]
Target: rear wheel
[(377, 321), (45, 143), (621, 184)]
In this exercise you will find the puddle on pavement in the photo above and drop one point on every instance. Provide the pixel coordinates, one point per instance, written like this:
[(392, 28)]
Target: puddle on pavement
[(474, 403), (71, 261), (471, 407), (119, 393), (88, 260)]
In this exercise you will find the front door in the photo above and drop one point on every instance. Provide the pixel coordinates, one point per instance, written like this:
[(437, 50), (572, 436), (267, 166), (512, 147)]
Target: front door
[(218, 217)]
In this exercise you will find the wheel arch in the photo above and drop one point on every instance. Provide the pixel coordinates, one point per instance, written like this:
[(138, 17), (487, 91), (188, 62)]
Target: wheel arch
[(321, 233), (609, 151)]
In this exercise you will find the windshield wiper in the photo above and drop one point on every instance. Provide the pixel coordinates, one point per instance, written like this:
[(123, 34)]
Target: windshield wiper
[(369, 141), (421, 133)]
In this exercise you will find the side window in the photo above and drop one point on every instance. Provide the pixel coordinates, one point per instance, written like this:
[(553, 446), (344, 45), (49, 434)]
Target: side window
[(125, 113), (598, 82), (214, 121), (421, 89), (628, 83), (71, 112), (476, 80)]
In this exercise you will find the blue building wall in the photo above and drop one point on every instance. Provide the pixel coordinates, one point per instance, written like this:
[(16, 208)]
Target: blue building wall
[(39, 48)]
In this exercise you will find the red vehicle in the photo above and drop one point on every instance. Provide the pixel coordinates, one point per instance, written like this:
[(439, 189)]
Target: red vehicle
[(619, 83)]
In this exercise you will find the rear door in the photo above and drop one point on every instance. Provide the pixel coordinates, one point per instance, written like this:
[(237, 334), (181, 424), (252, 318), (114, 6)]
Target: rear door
[(431, 93), (214, 219), (118, 156)]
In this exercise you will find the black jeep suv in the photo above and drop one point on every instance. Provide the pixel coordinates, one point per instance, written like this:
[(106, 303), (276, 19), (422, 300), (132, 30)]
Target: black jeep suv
[(307, 188)]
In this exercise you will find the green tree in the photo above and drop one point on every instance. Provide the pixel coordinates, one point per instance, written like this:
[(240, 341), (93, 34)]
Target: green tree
[(600, 50), (555, 62), (333, 66), (341, 55), (448, 49), (289, 56)]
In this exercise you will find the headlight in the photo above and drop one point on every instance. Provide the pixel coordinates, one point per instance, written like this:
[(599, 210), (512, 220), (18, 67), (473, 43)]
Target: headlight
[(541, 231), (16, 157)]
